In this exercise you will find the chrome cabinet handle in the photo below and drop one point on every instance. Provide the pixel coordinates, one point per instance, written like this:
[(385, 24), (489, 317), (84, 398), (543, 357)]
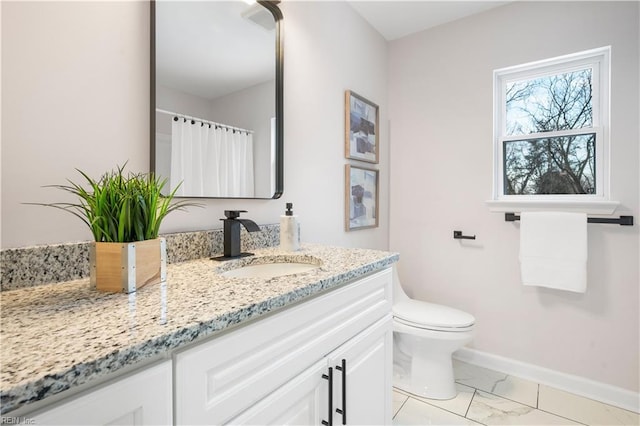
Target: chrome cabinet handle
[(343, 411), (329, 377)]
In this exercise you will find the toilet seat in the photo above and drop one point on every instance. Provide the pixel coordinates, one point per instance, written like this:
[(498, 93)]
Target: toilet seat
[(430, 316)]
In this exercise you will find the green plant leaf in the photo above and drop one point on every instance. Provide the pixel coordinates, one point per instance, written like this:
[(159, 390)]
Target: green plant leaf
[(119, 207)]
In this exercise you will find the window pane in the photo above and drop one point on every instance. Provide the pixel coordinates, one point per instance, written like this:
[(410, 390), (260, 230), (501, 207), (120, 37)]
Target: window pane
[(556, 102), (555, 165)]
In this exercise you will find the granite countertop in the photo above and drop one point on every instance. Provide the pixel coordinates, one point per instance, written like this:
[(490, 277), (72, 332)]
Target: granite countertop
[(57, 336)]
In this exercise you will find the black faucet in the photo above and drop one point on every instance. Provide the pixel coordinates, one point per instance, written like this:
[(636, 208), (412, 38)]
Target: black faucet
[(232, 232)]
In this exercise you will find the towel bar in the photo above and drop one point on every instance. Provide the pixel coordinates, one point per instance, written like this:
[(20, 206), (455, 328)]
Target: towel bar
[(622, 220)]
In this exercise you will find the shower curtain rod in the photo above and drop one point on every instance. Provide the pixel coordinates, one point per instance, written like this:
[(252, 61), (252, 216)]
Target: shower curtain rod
[(164, 111)]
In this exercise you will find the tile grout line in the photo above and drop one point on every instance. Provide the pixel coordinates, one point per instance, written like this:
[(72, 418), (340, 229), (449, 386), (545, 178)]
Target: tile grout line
[(508, 399), (606, 404), (535, 406), (470, 402), (425, 401), (563, 417), (475, 392), (518, 402), (401, 405)]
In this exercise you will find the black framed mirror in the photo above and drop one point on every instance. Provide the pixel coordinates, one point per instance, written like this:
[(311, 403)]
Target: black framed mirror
[(216, 122)]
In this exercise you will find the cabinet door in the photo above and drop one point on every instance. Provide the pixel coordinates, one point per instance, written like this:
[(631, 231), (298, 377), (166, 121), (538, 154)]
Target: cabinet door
[(144, 398), (363, 367), (219, 379), (302, 401)]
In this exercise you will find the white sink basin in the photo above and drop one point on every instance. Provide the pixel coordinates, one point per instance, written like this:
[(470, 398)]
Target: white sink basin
[(269, 270)]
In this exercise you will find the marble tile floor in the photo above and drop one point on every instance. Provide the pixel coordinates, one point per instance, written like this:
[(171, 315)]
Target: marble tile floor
[(487, 397)]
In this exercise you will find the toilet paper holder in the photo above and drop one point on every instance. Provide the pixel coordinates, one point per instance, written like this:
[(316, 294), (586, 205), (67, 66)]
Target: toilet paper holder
[(458, 236)]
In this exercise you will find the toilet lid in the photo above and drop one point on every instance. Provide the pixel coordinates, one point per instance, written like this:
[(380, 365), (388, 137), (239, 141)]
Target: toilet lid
[(429, 315)]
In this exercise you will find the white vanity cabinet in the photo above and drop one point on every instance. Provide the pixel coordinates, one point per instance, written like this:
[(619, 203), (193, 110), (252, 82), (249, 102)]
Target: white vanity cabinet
[(365, 361), (142, 398), (304, 400), (300, 401), (282, 368)]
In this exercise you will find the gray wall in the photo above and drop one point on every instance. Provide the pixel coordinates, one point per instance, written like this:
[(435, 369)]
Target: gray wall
[(75, 80), (440, 103)]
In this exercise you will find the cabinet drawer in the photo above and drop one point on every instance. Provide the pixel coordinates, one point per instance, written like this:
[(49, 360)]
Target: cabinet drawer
[(218, 379)]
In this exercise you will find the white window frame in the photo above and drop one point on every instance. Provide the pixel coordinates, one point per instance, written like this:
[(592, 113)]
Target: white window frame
[(599, 61)]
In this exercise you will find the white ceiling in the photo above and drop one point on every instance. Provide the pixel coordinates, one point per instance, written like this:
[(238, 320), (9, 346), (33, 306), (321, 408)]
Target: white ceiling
[(395, 19), (212, 48), (198, 50)]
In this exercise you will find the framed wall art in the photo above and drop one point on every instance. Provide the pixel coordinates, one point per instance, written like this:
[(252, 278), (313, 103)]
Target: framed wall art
[(361, 128), (361, 198)]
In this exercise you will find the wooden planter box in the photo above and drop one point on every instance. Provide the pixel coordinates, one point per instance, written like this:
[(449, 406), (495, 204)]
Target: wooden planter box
[(125, 267)]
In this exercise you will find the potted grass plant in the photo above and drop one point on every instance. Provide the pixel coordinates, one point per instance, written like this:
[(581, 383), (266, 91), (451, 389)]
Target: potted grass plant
[(124, 213)]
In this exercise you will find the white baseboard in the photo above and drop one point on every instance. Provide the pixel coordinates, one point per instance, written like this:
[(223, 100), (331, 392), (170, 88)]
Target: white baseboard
[(598, 391)]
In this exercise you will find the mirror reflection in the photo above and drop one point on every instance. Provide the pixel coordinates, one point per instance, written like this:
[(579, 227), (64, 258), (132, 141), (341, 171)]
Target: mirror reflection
[(216, 116)]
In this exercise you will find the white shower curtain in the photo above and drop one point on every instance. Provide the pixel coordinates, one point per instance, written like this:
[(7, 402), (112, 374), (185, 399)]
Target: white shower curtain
[(211, 161)]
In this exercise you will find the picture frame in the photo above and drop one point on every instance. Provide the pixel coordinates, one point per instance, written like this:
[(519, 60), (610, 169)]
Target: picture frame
[(362, 128), (361, 197)]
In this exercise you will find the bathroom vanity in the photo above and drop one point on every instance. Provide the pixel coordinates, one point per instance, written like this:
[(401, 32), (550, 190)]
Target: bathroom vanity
[(207, 347)]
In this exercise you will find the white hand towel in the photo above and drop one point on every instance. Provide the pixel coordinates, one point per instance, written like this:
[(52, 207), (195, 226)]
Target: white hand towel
[(553, 250)]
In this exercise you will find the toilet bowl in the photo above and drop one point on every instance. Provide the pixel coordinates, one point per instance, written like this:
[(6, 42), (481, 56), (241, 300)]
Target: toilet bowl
[(424, 337)]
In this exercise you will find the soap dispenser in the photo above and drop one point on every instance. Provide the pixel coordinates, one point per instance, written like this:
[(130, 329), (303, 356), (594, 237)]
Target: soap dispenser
[(289, 232)]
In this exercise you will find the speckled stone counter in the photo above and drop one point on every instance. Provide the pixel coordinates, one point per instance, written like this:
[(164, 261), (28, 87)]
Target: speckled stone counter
[(29, 266), (58, 336)]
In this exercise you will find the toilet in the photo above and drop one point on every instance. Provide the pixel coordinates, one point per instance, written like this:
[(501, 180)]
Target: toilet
[(424, 337)]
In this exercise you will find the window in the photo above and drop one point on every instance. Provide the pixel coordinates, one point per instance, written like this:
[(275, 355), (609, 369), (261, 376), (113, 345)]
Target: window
[(551, 129)]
